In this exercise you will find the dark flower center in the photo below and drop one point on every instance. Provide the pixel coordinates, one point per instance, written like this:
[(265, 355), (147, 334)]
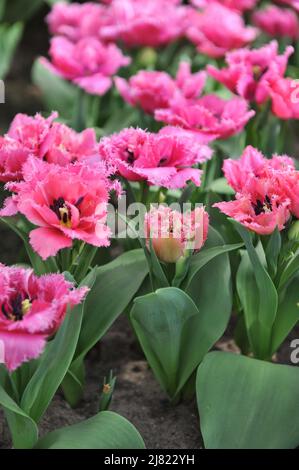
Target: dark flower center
[(17, 308), (62, 211), (261, 207), (130, 157), (162, 161)]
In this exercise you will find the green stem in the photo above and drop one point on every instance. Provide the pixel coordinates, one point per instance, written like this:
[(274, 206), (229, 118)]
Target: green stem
[(85, 259), (80, 111)]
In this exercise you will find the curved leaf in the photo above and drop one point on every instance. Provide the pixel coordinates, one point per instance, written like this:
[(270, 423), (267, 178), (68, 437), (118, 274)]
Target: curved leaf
[(106, 430), (55, 363), (115, 286), (245, 403), (23, 429)]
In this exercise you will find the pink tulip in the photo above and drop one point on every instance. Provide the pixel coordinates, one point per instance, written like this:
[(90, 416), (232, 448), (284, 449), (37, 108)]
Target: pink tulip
[(277, 22), (12, 158), (89, 63), (249, 70), (284, 93), (239, 5), (218, 29), (210, 117), (152, 90), (163, 159), (262, 208), (66, 203), (77, 21), (31, 132), (150, 23), (32, 309), (253, 165), (172, 232), (63, 145)]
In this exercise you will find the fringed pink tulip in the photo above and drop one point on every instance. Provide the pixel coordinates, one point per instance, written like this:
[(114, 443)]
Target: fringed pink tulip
[(209, 117), (152, 90), (249, 70), (163, 159), (253, 165), (63, 145), (284, 93), (66, 203), (150, 23), (31, 310), (89, 63), (261, 209), (239, 5), (277, 22), (77, 21), (218, 29)]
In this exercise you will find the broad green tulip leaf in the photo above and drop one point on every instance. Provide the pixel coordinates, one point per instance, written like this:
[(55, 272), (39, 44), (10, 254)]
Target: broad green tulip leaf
[(116, 283), (9, 40), (172, 334), (106, 430), (205, 256), (115, 286), (287, 314), (23, 429), (246, 403), (58, 94), (266, 294), (56, 360)]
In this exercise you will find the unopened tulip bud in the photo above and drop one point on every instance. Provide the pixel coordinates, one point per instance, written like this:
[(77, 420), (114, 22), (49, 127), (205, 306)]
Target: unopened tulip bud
[(147, 57), (172, 233)]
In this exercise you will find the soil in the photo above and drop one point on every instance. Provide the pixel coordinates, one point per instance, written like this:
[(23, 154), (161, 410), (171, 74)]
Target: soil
[(137, 396)]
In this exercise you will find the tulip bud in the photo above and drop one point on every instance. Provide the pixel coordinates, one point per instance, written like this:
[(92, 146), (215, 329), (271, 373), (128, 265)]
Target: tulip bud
[(294, 232), (172, 233), (147, 57)]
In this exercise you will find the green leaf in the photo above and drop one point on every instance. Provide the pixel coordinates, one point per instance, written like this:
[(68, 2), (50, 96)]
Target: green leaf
[(205, 256), (245, 403), (106, 430), (58, 94), (264, 297), (21, 10), (169, 328), (9, 40), (23, 429), (287, 314), (115, 286), (273, 251), (289, 272), (221, 186), (55, 362)]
